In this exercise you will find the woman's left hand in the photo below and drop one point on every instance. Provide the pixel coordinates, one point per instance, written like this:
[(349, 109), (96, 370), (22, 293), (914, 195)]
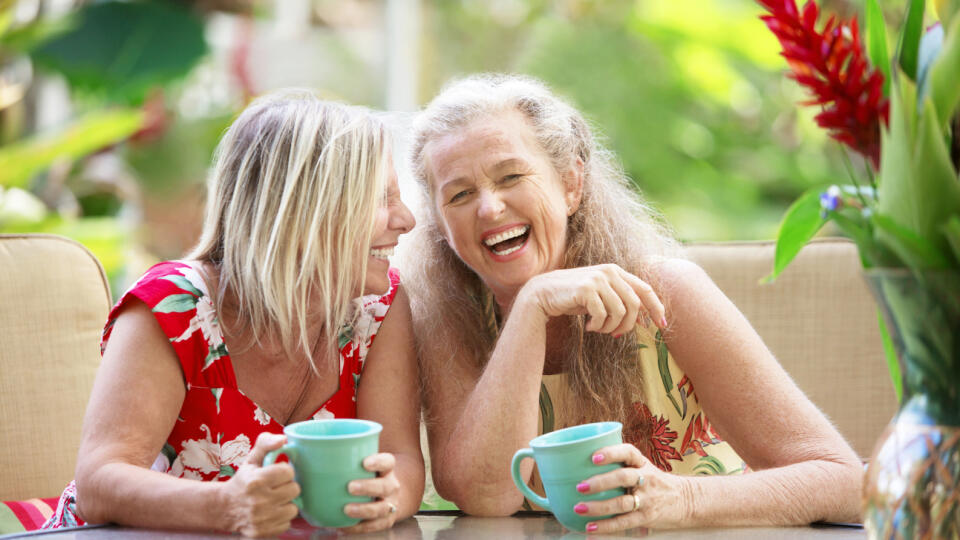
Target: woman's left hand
[(380, 513), (654, 498)]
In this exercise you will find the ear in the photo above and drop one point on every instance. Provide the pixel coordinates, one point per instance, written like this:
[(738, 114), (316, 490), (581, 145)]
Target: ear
[(573, 185)]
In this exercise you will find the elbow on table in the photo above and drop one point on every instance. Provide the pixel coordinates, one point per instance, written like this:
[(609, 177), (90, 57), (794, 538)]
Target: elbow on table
[(482, 501), (88, 507)]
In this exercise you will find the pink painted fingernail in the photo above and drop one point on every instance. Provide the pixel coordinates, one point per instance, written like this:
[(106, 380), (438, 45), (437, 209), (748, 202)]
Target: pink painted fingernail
[(663, 322), (617, 335), (583, 487), (591, 527), (598, 459), (580, 508)]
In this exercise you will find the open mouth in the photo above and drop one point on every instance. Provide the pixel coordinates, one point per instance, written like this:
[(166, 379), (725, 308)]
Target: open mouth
[(382, 253), (508, 241)]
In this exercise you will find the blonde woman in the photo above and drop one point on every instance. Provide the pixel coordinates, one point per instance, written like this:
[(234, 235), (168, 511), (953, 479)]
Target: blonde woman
[(269, 320), (548, 295)]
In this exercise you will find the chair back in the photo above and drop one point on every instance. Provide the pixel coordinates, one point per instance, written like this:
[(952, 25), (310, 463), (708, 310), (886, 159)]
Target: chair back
[(55, 300), (820, 321)]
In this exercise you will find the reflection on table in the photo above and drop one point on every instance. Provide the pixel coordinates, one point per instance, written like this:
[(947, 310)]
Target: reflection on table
[(448, 525)]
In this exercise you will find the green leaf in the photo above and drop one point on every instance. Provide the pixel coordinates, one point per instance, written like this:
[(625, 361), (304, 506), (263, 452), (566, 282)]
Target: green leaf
[(910, 38), (951, 229), (176, 303), (24, 39), (945, 76), (893, 363), (936, 191), (799, 225), (663, 365), (877, 41), (21, 160), (915, 251), (546, 410), (854, 226), (121, 50)]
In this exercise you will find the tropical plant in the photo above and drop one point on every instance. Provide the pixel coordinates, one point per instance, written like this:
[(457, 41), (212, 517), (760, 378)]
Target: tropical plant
[(900, 113)]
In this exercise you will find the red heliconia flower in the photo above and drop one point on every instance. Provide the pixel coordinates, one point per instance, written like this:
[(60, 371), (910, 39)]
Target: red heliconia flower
[(833, 66)]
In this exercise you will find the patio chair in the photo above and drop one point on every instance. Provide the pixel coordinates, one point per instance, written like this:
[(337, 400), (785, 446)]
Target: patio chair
[(820, 321), (54, 300)]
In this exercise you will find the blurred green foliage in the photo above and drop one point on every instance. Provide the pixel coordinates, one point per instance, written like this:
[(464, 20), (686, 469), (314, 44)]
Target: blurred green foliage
[(691, 96), (112, 55)]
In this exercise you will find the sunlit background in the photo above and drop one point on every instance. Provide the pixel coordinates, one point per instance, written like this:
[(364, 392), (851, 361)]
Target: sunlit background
[(109, 111)]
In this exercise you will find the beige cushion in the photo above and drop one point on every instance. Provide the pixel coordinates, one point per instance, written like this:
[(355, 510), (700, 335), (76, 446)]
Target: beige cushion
[(55, 300), (820, 321)]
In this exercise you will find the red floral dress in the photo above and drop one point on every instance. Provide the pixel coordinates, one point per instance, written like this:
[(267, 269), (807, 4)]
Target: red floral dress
[(218, 424)]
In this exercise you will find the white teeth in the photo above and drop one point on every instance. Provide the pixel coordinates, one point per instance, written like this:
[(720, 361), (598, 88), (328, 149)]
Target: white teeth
[(506, 235), (382, 253), (507, 251)]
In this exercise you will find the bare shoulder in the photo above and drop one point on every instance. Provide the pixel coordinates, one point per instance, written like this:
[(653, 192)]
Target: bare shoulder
[(679, 280)]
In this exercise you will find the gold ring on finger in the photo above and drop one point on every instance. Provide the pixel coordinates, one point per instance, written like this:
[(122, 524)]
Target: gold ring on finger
[(393, 507), (636, 502)]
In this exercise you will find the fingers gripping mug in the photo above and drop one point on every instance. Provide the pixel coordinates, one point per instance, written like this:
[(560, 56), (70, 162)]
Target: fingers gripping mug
[(564, 460), (326, 455)]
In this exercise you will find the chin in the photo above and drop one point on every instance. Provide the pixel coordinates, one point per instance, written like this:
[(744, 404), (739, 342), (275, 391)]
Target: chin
[(376, 284)]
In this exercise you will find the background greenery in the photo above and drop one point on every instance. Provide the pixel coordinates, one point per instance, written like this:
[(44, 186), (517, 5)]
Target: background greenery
[(690, 94)]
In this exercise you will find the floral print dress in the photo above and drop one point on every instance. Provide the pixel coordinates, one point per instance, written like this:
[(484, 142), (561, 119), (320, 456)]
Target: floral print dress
[(218, 424)]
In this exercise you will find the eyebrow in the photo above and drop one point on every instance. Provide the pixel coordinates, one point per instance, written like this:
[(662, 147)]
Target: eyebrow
[(512, 161)]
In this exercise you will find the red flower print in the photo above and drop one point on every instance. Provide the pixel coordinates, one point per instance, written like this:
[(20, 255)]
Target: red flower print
[(699, 432), (685, 381), (653, 437)]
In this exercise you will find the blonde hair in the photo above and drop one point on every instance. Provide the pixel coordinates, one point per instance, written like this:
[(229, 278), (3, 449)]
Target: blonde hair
[(292, 197), (613, 224)]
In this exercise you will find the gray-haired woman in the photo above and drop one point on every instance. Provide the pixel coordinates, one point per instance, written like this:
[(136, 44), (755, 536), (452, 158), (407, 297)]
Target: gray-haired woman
[(548, 294)]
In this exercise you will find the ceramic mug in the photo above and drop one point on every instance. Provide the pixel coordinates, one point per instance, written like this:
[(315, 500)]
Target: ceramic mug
[(564, 459), (326, 455)]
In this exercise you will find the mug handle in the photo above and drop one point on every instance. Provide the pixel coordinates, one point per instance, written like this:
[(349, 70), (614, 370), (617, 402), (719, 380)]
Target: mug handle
[(271, 458), (522, 454)]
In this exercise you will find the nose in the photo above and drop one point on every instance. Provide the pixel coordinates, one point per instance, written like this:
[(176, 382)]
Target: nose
[(401, 218), (491, 206)]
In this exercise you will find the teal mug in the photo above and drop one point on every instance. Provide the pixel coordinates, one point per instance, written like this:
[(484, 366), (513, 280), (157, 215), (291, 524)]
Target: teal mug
[(326, 455), (564, 459)]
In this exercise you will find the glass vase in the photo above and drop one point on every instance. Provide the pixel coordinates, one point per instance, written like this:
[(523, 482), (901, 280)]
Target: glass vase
[(911, 486)]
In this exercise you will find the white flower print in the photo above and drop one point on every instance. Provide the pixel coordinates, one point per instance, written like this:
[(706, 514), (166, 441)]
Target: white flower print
[(261, 416), (323, 414), (201, 455), (194, 278), (235, 451), (204, 456)]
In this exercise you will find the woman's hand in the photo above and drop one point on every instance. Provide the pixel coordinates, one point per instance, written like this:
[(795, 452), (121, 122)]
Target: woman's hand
[(258, 499), (615, 299), (654, 498), (384, 488)]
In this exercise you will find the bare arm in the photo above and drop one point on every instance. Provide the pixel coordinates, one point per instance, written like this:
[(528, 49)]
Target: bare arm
[(803, 469), (478, 420), (389, 394), (136, 397)]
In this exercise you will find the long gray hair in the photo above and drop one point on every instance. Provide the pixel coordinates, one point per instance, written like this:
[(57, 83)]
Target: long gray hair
[(613, 224)]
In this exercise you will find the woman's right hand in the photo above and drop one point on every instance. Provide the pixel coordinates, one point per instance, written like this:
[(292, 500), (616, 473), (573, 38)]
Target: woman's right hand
[(258, 499), (614, 299)]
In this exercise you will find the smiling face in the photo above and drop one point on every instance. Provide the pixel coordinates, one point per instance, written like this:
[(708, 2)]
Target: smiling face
[(393, 218), (503, 206)]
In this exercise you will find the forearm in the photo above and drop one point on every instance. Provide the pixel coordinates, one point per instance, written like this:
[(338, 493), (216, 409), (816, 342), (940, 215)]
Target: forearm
[(131, 495), (500, 417), (796, 494), (409, 471)]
